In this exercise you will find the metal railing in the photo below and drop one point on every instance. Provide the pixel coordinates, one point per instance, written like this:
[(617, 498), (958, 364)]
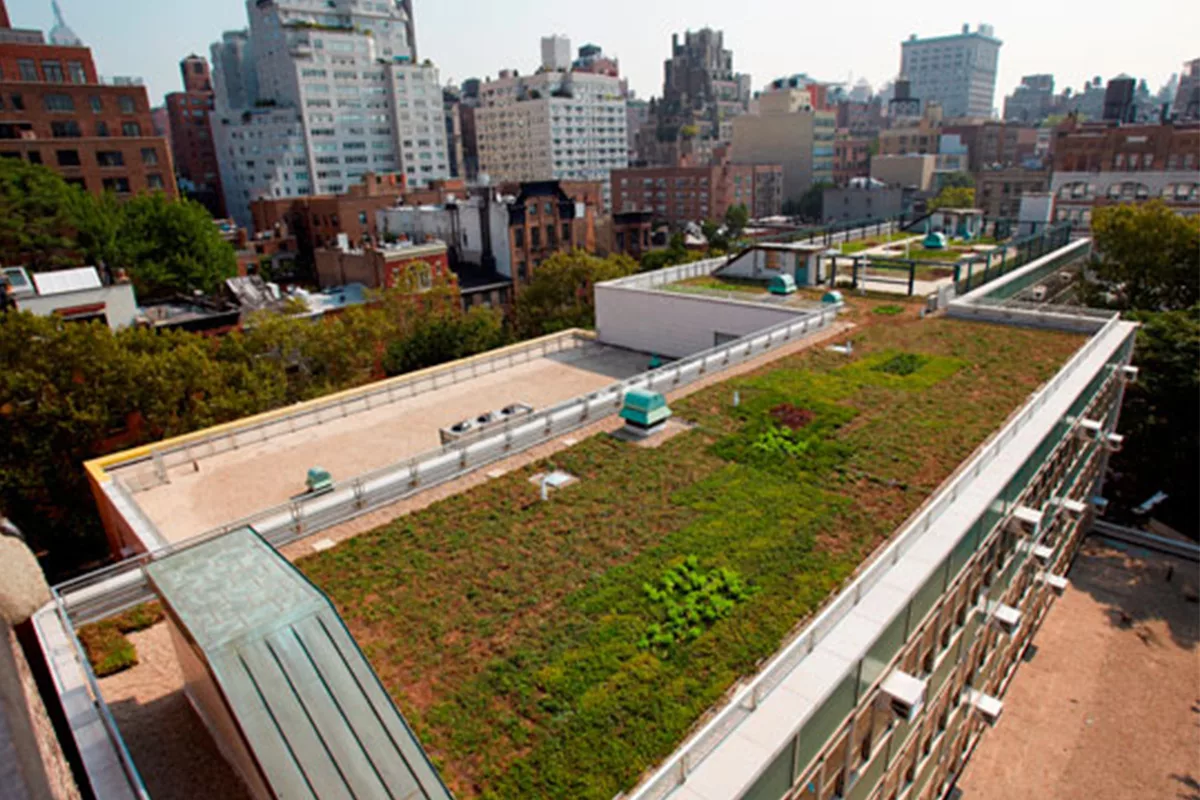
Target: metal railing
[(674, 771), (109, 590), (151, 470)]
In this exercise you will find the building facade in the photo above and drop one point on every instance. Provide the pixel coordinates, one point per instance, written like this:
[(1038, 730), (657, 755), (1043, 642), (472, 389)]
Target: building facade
[(693, 194), (192, 145), (957, 71), (909, 172), (1032, 101), (991, 143), (861, 202), (545, 218), (317, 221), (700, 89), (56, 111), (1098, 165), (788, 131), (339, 94), (998, 192), (1186, 105), (552, 126), (406, 266), (851, 157)]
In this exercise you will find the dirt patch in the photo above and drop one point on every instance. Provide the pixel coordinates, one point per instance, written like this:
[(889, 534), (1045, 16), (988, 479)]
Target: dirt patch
[(791, 417)]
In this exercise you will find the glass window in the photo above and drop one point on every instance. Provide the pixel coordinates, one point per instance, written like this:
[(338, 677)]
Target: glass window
[(110, 158), (18, 102), (96, 103), (65, 130), (68, 158), (131, 129), (76, 71), (27, 68), (59, 102), (102, 129), (126, 104), (149, 156), (535, 237), (118, 185), (53, 71), (155, 181), (519, 237)]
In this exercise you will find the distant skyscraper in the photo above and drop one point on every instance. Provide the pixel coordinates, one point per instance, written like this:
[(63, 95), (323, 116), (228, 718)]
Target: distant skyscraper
[(1118, 99), (700, 88), (338, 93), (556, 53), (958, 71), (1187, 94), (191, 140), (1031, 101)]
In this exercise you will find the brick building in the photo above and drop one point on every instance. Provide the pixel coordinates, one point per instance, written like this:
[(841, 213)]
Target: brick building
[(690, 194), (56, 111), (998, 192), (991, 143), (188, 115), (1106, 164), (548, 217), (316, 221), (407, 265), (851, 157)]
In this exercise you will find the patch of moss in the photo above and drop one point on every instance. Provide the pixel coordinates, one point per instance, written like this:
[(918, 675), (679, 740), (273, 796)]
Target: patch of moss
[(108, 651)]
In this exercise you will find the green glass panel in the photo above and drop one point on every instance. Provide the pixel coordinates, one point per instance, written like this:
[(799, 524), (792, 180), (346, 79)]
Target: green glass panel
[(826, 720), (776, 781)]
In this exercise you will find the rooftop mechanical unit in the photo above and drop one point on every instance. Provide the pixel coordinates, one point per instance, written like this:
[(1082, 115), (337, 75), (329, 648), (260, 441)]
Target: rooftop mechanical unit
[(488, 421), (645, 412), (782, 284)]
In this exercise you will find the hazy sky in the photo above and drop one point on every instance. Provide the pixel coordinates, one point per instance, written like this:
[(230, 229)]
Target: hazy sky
[(769, 38)]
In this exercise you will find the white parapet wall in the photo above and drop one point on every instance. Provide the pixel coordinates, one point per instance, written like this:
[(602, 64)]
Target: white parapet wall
[(637, 314)]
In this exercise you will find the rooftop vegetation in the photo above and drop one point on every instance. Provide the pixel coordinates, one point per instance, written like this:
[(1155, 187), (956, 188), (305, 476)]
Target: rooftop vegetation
[(559, 649)]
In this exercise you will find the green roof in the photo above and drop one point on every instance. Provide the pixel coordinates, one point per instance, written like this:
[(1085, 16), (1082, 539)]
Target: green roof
[(312, 712)]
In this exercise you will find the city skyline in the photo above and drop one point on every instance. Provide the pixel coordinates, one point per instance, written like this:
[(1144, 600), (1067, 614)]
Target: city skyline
[(497, 38)]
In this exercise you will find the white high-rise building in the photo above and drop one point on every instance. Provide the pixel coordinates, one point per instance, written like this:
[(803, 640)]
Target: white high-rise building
[(957, 71), (556, 53), (339, 93), (553, 125)]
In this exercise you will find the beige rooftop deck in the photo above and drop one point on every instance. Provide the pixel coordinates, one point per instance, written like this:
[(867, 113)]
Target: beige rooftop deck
[(222, 488)]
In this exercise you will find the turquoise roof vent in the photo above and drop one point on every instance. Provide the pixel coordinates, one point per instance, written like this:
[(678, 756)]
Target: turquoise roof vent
[(644, 411), (782, 284)]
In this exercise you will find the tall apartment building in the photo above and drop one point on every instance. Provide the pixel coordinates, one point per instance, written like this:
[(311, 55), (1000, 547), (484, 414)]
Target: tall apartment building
[(556, 53), (958, 71), (552, 126), (1187, 95), (700, 88), (233, 70), (191, 136), (1032, 101), (339, 94), (1099, 165), (55, 110), (693, 194), (789, 131)]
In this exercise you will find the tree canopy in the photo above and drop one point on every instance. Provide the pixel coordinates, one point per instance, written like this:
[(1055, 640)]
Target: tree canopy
[(958, 180), (953, 197), (166, 246), (1149, 256), (561, 296), (811, 206), (737, 217)]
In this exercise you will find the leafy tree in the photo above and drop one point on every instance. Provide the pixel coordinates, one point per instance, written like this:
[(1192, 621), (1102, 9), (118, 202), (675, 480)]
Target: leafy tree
[(1148, 255), (958, 180), (736, 219), (1161, 420), (560, 296), (953, 197), (173, 246), (675, 253), (445, 337), (812, 204), (717, 238), (35, 224)]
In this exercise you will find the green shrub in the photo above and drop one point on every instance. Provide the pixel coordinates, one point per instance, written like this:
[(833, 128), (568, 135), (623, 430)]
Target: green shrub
[(902, 364), (689, 602)]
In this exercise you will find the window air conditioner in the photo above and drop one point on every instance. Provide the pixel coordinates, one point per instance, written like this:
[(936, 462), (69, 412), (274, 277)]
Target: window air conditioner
[(1006, 618), (1057, 583), (1090, 430), (906, 694), (989, 707), (1130, 374), (1072, 506), (1027, 520)]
